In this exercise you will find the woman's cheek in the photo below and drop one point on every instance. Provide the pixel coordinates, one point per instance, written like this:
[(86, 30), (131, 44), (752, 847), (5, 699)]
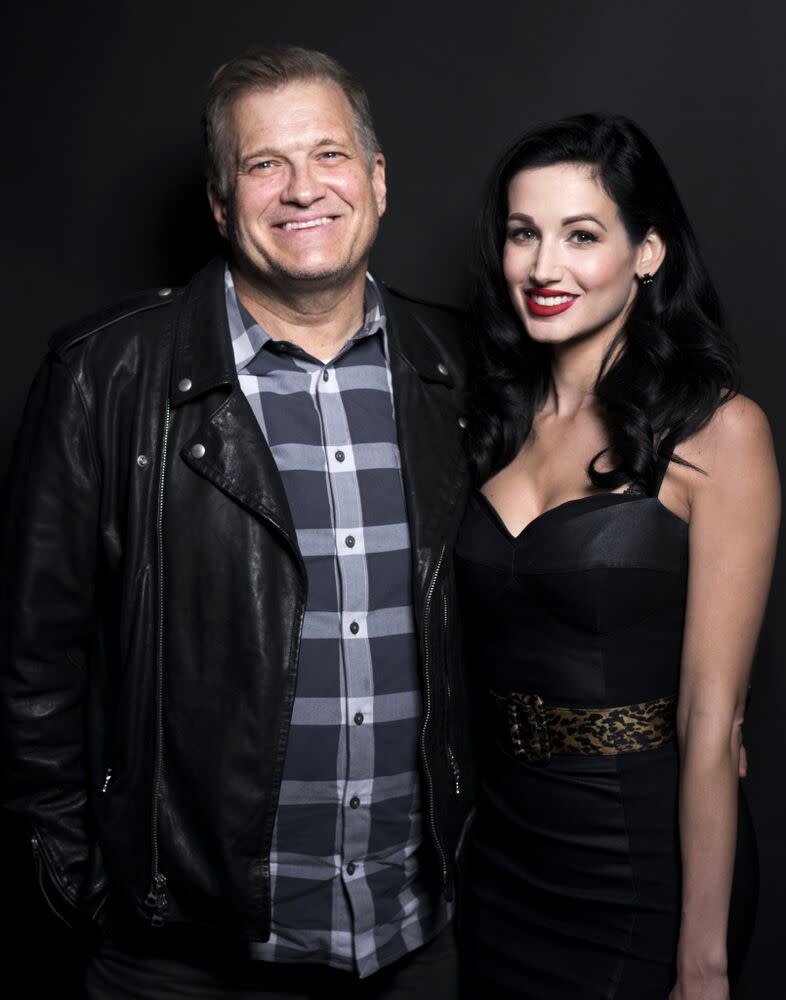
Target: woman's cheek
[(511, 266), (597, 271)]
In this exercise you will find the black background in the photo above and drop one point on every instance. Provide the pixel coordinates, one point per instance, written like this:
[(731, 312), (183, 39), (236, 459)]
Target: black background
[(102, 195)]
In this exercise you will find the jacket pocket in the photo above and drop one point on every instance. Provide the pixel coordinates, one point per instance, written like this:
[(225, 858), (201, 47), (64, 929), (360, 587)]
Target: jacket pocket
[(52, 889)]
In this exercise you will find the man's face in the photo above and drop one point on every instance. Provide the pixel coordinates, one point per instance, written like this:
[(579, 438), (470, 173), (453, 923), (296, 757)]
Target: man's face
[(302, 206)]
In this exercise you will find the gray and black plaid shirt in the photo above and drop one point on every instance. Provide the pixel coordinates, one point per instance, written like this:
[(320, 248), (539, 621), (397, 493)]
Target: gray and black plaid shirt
[(345, 864)]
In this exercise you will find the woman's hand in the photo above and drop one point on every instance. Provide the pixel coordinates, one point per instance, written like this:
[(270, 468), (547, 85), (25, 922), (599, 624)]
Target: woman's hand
[(701, 986)]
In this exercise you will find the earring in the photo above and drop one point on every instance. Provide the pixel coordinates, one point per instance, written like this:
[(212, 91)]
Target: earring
[(646, 279)]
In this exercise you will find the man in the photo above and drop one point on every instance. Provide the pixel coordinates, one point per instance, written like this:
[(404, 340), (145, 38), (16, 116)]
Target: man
[(231, 681)]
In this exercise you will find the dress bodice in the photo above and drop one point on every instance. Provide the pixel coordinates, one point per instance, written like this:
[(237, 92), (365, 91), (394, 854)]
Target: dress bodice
[(585, 606)]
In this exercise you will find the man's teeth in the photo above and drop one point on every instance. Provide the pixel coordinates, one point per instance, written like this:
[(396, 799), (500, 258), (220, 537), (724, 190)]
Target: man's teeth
[(308, 225), (552, 300)]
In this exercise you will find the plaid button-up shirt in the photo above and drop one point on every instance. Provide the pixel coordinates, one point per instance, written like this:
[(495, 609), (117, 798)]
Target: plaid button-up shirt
[(345, 865)]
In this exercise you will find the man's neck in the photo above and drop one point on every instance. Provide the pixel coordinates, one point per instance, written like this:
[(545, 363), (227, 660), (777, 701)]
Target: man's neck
[(320, 320)]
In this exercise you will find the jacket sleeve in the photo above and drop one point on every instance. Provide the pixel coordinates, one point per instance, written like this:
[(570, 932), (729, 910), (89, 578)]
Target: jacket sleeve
[(48, 623)]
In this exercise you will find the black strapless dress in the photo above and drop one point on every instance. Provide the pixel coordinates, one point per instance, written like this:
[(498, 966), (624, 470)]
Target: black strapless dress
[(574, 878)]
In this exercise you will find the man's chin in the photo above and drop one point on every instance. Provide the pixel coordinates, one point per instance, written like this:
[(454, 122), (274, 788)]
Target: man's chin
[(304, 279)]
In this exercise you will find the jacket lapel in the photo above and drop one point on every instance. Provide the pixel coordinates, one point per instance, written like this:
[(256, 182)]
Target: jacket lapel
[(429, 403), (234, 454)]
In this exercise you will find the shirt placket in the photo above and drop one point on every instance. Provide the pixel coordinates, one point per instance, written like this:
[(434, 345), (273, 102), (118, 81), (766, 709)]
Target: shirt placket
[(353, 602)]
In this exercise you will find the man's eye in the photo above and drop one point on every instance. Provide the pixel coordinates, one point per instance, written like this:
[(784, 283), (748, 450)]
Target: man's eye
[(330, 154), (262, 165), (582, 237)]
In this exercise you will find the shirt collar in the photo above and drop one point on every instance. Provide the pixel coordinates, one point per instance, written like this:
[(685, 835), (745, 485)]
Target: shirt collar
[(248, 337)]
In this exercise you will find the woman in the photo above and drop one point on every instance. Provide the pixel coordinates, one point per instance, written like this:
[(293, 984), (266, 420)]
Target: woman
[(613, 568)]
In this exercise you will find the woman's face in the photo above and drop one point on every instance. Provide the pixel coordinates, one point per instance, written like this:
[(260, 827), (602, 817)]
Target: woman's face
[(569, 264)]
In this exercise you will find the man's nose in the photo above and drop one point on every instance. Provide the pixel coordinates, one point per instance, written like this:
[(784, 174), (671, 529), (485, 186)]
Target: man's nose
[(303, 185)]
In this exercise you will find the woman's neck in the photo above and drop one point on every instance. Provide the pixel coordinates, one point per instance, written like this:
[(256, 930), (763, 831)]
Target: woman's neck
[(575, 368)]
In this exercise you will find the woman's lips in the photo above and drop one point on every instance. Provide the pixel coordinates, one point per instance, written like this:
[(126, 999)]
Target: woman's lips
[(548, 303)]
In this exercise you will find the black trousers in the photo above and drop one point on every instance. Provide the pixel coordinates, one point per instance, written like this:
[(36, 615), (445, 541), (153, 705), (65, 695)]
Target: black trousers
[(148, 968)]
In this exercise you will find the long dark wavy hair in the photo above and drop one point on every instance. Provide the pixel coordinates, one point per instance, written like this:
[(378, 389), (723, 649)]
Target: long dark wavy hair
[(671, 365)]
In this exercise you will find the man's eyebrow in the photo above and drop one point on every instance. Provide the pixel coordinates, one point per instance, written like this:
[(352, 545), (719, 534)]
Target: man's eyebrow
[(270, 152), (328, 141), (265, 152)]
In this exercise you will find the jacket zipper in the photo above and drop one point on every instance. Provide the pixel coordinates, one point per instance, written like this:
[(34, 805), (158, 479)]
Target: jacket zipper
[(427, 716), (455, 768), (156, 900), (294, 658), (451, 756), (107, 779)]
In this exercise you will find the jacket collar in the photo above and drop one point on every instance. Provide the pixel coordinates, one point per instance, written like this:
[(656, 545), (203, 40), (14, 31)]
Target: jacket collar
[(410, 338), (203, 356)]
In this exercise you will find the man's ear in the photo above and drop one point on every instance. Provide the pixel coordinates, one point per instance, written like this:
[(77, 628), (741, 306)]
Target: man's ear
[(379, 184), (218, 206), (651, 253)]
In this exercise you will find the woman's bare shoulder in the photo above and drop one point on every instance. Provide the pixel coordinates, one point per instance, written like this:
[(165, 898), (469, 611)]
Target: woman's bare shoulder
[(736, 436)]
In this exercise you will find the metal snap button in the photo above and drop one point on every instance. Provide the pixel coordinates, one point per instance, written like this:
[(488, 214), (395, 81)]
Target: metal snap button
[(184, 384), (462, 422), (164, 293), (141, 461), (442, 369), (197, 451)]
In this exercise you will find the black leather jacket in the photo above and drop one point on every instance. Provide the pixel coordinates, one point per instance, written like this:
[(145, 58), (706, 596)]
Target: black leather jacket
[(152, 602)]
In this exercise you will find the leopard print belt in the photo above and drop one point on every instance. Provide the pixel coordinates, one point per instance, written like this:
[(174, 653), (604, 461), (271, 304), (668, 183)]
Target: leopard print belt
[(532, 731)]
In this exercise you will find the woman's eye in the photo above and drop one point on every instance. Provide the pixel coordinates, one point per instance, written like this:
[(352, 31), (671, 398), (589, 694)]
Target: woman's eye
[(582, 237), (522, 235)]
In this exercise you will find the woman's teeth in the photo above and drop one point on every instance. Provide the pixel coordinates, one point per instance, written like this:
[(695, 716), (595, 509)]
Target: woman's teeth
[(551, 300)]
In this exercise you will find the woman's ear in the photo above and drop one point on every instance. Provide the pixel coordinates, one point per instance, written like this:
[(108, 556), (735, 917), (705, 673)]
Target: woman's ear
[(651, 254)]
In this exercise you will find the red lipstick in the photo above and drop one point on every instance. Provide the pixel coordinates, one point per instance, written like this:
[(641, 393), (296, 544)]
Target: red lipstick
[(540, 308)]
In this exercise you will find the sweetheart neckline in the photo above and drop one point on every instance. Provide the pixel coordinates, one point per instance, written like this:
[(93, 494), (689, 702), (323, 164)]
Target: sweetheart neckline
[(625, 497)]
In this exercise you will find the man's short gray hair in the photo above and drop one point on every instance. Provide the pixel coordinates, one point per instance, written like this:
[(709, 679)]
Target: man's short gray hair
[(267, 69)]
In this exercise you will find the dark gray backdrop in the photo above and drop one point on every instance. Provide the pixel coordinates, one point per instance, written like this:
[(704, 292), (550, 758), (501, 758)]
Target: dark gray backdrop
[(102, 195)]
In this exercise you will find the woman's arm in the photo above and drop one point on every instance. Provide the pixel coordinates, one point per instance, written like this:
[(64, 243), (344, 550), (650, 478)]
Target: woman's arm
[(734, 514)]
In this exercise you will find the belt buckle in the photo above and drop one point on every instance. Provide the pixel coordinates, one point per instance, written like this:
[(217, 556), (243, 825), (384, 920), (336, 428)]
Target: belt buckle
[(529, 731)]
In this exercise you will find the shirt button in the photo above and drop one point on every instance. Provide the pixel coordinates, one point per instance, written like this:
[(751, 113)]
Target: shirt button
[(354, 628), (350, 541), (354, 802), (340, 456), (325, 375), (358, 718), (351, 868)]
